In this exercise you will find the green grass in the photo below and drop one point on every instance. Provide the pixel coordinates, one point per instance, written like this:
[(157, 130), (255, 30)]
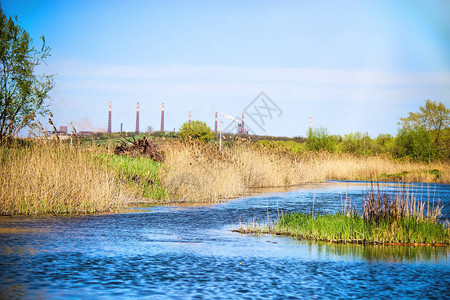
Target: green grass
[(384, 219), (400, 176), (107, 140), (139, 173), (395, 176), (354, 229)]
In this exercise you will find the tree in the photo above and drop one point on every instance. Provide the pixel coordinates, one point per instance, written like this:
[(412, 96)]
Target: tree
[(385, 143), (434, 117), (415, 143), (319, 139), (196, 130), (358, 143), (22, 92)]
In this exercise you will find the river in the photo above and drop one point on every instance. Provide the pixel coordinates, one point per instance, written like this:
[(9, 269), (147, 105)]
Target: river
[(190, 252)]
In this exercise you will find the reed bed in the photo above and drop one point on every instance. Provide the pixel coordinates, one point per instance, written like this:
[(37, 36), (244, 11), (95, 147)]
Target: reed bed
[(397, 218), (354, 167), (47, 178), (198, 172)]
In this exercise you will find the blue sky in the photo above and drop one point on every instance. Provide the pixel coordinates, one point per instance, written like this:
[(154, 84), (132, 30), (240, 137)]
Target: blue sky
[(351, 65)]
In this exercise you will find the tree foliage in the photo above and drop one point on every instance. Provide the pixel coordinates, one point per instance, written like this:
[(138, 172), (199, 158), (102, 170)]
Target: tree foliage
[(435, 119), (320, 139), (196, 130), (416, 143), (358, 143), (22, 92)]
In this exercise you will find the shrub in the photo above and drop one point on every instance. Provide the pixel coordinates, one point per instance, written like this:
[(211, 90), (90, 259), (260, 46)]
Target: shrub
[(196, 130), (319, 139)]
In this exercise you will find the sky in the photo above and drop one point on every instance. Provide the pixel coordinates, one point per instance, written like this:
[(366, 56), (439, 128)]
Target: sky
[(350, 65)]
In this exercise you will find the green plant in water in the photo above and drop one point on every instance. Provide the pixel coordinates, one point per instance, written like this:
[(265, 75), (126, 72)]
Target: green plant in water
[(398, 218)]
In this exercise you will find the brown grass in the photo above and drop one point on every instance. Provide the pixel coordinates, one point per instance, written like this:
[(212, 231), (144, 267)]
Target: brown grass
[(353, 167), (197, 172), (54, 179)]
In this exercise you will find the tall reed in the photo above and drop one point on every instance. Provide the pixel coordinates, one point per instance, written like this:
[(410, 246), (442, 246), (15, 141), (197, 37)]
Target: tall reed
[(353, 167), (46, 178), (385, 218), (198, 172)]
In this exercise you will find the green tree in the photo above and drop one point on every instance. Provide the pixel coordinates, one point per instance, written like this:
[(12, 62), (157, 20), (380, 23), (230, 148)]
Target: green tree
[(434, 117), (358, 143), (415, 143), (22, 92), (196, 130), (319, 139), (385, 143)]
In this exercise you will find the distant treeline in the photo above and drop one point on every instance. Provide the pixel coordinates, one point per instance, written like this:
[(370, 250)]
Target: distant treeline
[(417, 144)]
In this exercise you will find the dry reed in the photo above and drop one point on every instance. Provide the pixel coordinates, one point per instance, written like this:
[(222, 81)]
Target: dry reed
[(198, 172), (353, 167), (54, 179)]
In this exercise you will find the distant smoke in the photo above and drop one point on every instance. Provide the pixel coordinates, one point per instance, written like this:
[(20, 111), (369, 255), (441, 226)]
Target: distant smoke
[(227, 116), (85, 124)]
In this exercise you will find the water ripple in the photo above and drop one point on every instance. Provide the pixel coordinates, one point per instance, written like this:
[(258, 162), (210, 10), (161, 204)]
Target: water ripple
[(173, 253)]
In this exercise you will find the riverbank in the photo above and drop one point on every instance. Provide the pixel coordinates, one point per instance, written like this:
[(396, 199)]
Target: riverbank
[(51, 177), (197, 172)]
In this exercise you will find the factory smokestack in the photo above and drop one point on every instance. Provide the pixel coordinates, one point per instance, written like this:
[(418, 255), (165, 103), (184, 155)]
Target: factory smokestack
[(109, 118), (242, 127), (162, 117), (189, 118), (137, 118), (215, 124)]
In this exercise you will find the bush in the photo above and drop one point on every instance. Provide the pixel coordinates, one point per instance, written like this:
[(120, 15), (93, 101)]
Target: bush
[(319, 139), (196, 130)]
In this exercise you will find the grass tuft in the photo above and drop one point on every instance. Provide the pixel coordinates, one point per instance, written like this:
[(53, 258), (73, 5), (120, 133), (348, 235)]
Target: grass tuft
[(385, 219)]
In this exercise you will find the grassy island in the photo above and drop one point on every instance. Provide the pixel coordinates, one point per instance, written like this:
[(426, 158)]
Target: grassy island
[(385, 219)]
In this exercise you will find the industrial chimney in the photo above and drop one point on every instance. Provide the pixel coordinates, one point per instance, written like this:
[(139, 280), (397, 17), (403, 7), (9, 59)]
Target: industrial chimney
[(109, 118), (215, 124), (242, 127), (162, 117), (137, 118)]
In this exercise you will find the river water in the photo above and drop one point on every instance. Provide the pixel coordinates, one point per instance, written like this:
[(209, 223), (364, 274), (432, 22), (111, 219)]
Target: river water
[(191, 252)]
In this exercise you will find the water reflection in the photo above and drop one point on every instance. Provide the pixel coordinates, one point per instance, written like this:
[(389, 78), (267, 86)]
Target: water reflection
[(190, 252), (390, 253)]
